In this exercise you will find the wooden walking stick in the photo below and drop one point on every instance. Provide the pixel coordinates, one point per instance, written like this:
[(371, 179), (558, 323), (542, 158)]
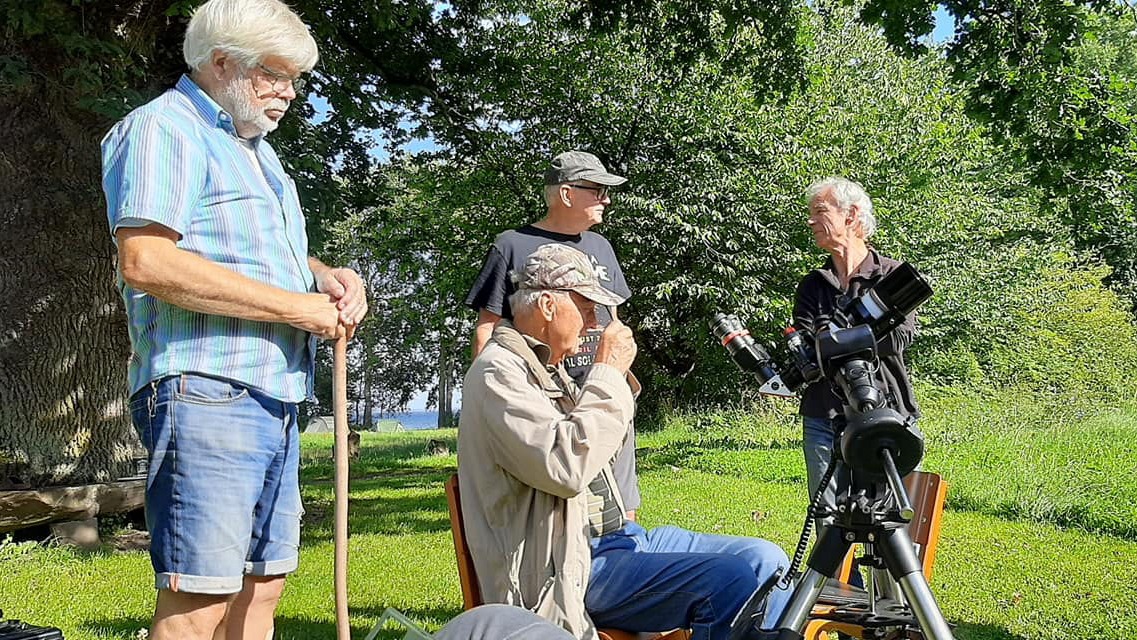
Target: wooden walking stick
[(339, 409)]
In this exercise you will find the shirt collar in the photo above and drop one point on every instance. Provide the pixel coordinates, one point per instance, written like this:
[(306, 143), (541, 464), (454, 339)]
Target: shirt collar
[(536, 354), (207, 107)]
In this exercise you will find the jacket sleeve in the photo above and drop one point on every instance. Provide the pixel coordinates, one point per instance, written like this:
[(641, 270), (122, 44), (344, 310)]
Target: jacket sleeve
[(545, 449), (896, 341), (807, 307)]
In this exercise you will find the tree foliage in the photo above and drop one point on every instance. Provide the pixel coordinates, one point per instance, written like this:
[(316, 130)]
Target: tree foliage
[(1055, 81), (1001, 163), (712, 217)]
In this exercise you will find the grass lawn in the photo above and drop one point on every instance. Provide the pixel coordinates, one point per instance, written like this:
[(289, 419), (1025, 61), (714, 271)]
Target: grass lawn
[(1039, 541)]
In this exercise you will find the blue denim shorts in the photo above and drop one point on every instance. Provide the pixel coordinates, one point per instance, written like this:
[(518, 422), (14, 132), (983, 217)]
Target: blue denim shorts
[(223, 489)]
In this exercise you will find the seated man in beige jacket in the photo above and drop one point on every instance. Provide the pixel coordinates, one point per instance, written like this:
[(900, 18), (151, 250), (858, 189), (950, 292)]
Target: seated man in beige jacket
[(534, 450), (534, 462)]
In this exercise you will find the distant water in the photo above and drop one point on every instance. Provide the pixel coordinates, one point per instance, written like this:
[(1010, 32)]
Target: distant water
[(414, 420)]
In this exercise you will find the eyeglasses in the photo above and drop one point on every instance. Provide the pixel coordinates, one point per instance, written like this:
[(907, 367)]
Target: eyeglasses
[(281, 81), (601, 192)]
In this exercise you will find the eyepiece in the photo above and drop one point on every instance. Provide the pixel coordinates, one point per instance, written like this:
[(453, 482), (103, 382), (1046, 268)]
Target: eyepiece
[(747, 354)]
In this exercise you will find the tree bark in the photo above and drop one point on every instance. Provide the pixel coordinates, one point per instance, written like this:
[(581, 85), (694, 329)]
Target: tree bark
[(445, 386), (368, 400), (63, 341)]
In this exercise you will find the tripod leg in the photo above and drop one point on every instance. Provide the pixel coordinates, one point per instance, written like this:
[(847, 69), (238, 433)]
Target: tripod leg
[(896, 548)]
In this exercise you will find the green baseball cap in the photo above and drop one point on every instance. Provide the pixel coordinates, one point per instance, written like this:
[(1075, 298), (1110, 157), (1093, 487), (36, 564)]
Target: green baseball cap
[(563, 268), (580, 165)]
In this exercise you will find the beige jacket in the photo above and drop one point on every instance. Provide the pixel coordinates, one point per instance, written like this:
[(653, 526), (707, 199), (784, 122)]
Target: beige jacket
[(527, 450)]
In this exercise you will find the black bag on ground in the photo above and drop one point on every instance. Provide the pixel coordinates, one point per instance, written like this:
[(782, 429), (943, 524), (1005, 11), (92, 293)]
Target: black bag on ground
[(16, 630)]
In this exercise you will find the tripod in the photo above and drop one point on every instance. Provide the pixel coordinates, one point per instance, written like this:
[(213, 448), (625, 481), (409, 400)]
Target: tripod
[(876, 513)]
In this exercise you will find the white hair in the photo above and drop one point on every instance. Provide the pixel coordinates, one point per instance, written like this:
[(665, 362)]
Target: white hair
[(524, 300), (847, 193), (249, 31)]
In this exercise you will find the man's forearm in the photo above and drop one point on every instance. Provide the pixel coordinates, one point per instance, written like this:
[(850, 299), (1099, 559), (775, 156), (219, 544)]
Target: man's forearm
[(187, 280)]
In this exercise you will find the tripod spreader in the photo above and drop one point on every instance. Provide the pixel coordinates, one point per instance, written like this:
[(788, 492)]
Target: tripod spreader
[(895, 548)]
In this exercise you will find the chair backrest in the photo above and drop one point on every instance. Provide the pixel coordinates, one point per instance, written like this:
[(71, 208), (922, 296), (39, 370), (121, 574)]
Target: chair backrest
[(467, 576), (928, 492)]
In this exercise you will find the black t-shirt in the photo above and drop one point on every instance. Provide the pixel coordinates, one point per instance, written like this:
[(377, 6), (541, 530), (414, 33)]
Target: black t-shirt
[(493, 287)]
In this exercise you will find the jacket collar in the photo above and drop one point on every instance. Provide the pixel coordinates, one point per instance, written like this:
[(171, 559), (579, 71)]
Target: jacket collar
[(536, 356), (869, 269)]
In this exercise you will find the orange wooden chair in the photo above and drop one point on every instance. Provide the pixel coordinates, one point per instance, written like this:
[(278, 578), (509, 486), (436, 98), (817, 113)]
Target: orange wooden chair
[(472, 595), (928, 492)]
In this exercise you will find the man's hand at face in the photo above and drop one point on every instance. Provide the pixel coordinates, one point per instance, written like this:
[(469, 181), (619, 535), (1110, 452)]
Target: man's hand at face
[(345, 288), (617, 346)]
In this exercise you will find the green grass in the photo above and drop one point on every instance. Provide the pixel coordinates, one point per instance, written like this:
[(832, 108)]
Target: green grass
[(1039, 540)]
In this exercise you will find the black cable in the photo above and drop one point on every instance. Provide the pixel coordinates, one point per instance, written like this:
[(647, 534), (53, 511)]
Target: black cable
[(811, 516)]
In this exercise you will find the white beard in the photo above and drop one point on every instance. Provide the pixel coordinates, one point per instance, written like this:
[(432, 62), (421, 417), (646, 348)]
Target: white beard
[(236, 98)]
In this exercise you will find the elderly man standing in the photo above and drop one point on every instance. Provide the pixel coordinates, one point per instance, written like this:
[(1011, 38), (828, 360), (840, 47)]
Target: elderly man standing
[(224, 308), (842, 220), (538, 491)]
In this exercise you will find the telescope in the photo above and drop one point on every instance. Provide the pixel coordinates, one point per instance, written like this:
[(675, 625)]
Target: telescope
[(878, 445), (845, 353)]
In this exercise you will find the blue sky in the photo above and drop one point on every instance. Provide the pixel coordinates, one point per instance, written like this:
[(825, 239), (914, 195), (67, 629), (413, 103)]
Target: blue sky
[(945, 25)]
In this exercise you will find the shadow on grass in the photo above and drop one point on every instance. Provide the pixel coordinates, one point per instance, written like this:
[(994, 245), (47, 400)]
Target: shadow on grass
[(966, 631), (1079, 517), (387, 513), (287, 627), (125, 628), (293, 628), (375, 457), (680, 453)]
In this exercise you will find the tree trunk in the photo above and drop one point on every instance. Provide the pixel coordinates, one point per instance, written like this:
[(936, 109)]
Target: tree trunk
[(368, 401), (63, 341), (445, 386)]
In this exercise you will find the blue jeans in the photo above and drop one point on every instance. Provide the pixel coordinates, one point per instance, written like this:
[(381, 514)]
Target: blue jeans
[(223, 490), (818, 440), (671, 578)]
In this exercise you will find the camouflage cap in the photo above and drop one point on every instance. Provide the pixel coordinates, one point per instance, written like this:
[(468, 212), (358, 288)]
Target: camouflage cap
[(580, 165), (559, 267)]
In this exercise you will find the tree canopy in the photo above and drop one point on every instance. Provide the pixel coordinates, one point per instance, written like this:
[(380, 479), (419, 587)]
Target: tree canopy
[(1002, 163)]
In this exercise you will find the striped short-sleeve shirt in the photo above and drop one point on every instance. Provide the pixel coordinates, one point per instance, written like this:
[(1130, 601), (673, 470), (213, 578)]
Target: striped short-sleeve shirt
[(177, 161)]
